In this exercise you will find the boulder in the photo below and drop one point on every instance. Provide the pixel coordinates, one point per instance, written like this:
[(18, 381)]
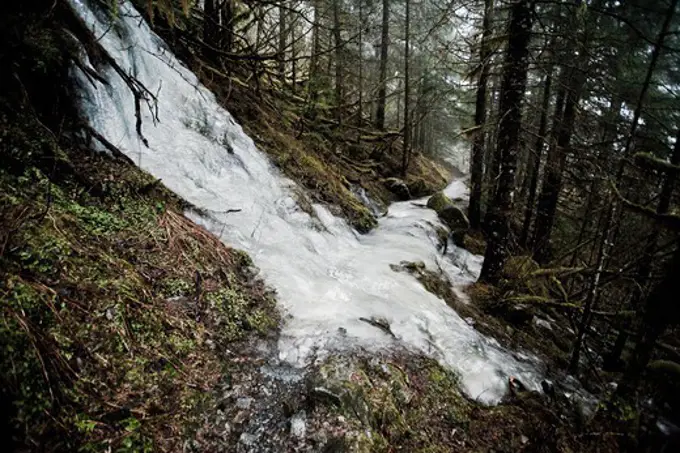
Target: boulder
[(398, 187), (418, 188), (454, 218), (438, 202), (451, 215)]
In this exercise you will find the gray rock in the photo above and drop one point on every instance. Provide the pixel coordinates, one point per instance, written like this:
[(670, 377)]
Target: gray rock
[(247, 439), (298, 425), (454, 218), (244, 403), (398, 187)]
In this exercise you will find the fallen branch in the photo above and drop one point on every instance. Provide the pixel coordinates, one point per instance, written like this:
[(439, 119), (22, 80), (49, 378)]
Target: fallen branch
[(108, 145)]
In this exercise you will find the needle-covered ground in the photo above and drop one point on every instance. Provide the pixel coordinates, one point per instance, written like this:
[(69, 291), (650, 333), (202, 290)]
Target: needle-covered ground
[(117, 314)]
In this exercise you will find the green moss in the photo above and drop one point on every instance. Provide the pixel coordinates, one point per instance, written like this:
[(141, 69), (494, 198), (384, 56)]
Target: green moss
[(438, 202), (85, 318)]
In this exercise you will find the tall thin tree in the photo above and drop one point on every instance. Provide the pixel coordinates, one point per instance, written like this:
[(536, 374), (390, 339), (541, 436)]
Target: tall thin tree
[(512, 94), (477, 157), (382, 83)]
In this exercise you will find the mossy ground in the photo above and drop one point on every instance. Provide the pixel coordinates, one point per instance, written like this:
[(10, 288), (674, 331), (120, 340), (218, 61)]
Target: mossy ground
[(114, 309), (411, 403)]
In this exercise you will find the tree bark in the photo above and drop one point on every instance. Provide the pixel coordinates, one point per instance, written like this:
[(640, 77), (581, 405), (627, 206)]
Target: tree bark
[(337, 41), (227, 14), (407, 119), (282, 43), (313, 83), (360, 113), (477, 157), (210, 27), (513, 88), (535, 158), (552, 181), (384, 46)]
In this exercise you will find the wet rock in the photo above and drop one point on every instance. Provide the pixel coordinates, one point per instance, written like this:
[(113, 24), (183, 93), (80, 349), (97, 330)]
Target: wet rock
[(418, 188), (247, 439), (298, 425), (398, 187), (454, 218), (244, 403), (438, 202), (451, 215)]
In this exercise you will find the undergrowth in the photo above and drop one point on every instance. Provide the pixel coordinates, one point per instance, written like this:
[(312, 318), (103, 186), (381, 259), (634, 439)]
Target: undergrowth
[(113, 309)]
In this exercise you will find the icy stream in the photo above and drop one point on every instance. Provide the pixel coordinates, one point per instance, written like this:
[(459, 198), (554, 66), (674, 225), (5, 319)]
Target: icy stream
[(326, 277)]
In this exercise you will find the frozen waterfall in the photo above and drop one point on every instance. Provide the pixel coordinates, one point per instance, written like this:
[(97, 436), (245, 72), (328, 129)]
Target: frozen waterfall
[(326, 275)]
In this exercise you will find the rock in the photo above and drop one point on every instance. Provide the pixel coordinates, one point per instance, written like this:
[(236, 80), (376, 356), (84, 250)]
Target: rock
[(398, 187), (548, 388), (438, 202), (247, 439), (298, 425), (244, 403), (451, 215), (418, 188), (454, 218), (538, 322)]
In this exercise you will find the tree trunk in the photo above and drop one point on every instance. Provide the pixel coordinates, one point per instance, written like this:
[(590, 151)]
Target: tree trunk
[(313, 82), (227, 14), (552, 180), (337, 42), (360, 113), (382, 87), (535, 158), (210, 27), (282, 43), (477, 158), (510, 110), (653, 324), (407, 119)]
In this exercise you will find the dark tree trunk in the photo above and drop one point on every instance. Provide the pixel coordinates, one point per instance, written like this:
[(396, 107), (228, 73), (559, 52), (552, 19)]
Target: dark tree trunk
[(210, 28), (227, 14), (477, 157), (552, 181), (510, 111), (337, 42), (282, 44), (313, 83), (645, 266), (384, 45), (407, 118), (535, 159)]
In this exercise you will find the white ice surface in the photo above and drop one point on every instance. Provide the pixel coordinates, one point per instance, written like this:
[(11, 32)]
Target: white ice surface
[(326, 278)]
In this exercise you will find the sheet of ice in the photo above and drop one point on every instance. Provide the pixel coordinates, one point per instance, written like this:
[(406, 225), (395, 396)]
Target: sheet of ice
[(326, 275)]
